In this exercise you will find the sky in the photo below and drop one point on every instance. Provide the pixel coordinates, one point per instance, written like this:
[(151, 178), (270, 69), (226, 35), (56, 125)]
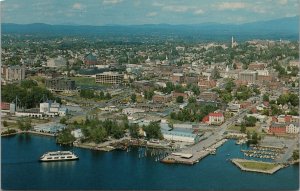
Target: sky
[(136, 12)]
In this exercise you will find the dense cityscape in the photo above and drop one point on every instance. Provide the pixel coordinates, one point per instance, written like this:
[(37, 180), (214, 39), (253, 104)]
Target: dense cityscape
[(170, 100)]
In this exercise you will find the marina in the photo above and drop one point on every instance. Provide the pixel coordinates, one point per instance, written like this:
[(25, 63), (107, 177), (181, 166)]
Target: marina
[(123, 174)]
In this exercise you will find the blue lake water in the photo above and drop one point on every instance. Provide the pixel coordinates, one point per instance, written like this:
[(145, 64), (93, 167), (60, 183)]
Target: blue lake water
[(20, 169)]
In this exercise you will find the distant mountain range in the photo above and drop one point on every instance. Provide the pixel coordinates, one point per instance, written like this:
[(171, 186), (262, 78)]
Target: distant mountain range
[(284, 28)]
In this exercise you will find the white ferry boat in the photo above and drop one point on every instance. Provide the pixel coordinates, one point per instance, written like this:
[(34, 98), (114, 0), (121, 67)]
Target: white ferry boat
[(58, 156)]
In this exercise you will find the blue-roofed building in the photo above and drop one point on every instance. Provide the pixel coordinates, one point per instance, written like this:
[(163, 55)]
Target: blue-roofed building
[(175, 134)]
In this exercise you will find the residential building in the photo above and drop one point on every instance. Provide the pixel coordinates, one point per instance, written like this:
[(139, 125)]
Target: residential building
[(207, 83), (56, 62), (248, 76), (207, 95), (60, 84), (110, 78), (277, 128), (292, 128), (177, 78), (161, 98), (12, 73), (90, 60), (256, 66), (214, 118)]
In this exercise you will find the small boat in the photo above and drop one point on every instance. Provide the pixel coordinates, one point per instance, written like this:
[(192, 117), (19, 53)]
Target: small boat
[(58, 156)]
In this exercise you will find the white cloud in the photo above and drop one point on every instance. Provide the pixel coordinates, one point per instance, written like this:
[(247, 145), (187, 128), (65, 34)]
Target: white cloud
[(156, 4), (282, 2), (198, 12), (111, 2), (231, 5), (176, 8), (258, 9), (78, 6), (151, 14)]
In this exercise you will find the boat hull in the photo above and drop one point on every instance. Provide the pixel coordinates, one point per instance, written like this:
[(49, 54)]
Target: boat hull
[(57, 160)]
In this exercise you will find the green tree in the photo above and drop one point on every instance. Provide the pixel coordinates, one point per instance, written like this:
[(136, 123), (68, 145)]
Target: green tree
[(179, 99), (133, 98), (153, 131), (250, 121), (295, 155), (65, 137), (293, 99), (5, 124), (243, 128), (134, 130), (266, 97), (195, 89), (63, 120), (107, 96), (192, 100), (229, 86), (24, 124)]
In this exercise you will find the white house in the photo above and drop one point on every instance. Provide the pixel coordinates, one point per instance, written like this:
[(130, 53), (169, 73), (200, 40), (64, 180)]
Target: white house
[(292, 128), (77, 133)]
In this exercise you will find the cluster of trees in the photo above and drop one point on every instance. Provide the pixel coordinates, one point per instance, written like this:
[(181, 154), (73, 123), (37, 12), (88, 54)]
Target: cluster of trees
[(193, 112), (90, 94), (24, 124), (152, 130), (133, 98), (253, 138), (28, 92), (98, 131), (148, 94), (179, 99), (65, 137), (295, 155), (293, 71), (225, 94), (243, 93), (249, 121), (288, 98)]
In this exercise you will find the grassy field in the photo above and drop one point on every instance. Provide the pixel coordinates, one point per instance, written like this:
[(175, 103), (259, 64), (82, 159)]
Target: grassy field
[(86, 81), (40, 80), (238, 128), (258, 165)]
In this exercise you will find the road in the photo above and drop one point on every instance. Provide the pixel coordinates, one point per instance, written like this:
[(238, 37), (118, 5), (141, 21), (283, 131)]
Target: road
[(217, 135)]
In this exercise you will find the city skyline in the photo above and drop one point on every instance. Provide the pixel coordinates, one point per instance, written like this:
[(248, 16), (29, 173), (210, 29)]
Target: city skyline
[(136, 12)]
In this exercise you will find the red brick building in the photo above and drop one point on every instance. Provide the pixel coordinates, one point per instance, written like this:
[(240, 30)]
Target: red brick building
[(277, 128), (256, 66), (5, 106), (207, 84)]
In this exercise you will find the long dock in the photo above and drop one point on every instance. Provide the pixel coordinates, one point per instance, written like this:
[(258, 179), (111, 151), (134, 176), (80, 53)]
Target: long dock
[(194, 156)]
